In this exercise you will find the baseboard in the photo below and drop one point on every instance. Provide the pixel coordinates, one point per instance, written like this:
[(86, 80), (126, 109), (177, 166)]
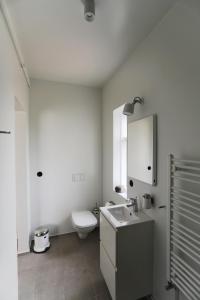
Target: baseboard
[(59, 234), (23, 252), (68, 232)]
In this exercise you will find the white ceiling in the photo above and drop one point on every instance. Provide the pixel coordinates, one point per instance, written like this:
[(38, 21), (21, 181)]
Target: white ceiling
[(58, 44)]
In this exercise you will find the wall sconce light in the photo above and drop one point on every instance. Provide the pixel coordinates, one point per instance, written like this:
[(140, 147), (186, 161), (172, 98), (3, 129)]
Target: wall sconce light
[(129, 107)]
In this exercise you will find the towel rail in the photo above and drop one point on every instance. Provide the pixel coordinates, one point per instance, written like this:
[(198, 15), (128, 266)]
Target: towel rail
[(177, 260), (185, 210), (175, 159), (185, 179), (178, 201), (184, 290), (178, 230), (184, 226), (187, 285), (185, 198), (181, 240), (189, 282), (188, 173), (175, 188), (187, 217), (186, 272), (186, 229), (190, 279), (185, 252), (187, 167)]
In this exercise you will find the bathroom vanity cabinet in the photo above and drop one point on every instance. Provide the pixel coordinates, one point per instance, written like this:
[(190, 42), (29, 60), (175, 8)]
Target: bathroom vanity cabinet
[(126, 257)]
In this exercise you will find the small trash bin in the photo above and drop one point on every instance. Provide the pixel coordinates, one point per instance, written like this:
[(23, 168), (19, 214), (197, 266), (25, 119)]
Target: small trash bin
[(41, 240)]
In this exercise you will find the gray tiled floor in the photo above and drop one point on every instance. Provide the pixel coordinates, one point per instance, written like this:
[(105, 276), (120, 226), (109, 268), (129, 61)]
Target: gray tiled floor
[(68, 271)]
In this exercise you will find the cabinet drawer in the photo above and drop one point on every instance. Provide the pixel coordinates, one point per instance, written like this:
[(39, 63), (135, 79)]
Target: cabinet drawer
[(108, 272), (108, 238)]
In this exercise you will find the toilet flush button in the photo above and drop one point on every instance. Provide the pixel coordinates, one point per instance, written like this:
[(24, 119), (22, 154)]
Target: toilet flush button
[(78, 177)]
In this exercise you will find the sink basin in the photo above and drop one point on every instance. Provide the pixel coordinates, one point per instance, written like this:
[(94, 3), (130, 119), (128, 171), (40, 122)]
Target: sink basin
[(120, 216), (123, 214)]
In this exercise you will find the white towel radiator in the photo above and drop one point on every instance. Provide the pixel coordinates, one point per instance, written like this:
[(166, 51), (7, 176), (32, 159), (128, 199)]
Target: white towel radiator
[(184, 227)]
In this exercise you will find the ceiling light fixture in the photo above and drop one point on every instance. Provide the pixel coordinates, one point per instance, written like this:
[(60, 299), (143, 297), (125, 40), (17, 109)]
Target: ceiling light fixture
[(89, 10)]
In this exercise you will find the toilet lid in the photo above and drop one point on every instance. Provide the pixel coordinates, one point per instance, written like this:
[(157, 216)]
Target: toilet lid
[(84, 219)]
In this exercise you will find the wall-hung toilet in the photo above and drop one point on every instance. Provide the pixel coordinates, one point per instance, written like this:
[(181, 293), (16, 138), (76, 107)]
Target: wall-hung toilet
[(83, 222)]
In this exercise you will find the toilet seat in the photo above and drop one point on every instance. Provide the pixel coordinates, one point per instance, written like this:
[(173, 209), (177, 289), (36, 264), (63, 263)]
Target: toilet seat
[(84, 219)]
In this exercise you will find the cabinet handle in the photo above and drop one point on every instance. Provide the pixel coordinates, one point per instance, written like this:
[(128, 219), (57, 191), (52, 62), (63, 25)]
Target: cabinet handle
[(5, 132)]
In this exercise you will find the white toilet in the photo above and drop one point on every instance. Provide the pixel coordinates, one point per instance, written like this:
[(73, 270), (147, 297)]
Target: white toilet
[(83, 222)]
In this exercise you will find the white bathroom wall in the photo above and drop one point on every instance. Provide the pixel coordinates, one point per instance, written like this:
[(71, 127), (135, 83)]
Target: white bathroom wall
[(165, 70), (12, 84), (65, 140)]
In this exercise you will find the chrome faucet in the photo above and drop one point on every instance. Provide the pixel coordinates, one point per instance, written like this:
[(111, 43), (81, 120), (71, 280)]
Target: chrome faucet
[(133, 204)]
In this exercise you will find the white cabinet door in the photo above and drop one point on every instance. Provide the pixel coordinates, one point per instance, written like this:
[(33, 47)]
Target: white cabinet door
[(108, 272), (108, 238)]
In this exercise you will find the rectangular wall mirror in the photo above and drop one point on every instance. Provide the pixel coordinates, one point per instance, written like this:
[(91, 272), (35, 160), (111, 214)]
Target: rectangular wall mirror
[(142, 142)]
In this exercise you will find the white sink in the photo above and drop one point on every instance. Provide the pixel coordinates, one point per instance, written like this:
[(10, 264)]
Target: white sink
[(122, 213)]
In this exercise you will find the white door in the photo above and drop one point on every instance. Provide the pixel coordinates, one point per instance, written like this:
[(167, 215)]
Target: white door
[(8, 239)]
